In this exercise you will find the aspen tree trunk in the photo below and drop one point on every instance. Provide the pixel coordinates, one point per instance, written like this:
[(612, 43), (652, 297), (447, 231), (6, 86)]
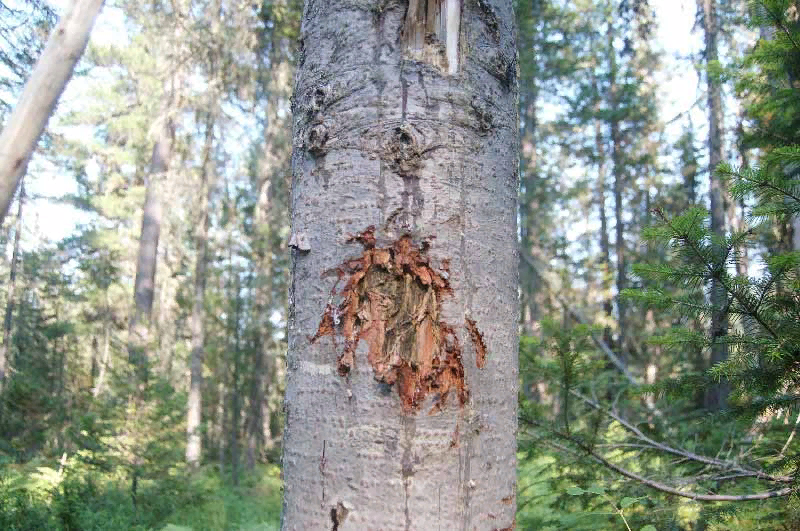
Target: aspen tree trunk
[(716, 396), (8, 323), (195, 401), (42, 90), (402, 372)]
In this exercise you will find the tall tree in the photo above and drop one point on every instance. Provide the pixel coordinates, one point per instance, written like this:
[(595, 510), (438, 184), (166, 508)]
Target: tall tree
[(716, 396), (48, 79), (5, 348), (147, 257), (195, 404), (402, 371)]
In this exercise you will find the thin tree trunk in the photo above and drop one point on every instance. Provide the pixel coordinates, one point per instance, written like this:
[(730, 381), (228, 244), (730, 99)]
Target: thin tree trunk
[(236, 409), (605, 244), (401, 391), (147, 258), (105, 359), (716, 396), (274, 160), (48, 79), (8, 324), (222, 414), (195, 401), (618, 172)]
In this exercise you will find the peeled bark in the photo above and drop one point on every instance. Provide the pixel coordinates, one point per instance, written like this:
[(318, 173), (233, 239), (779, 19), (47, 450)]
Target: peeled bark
[(48, 79), (195, 401), (402, 372), (716, 395), (8, 336)]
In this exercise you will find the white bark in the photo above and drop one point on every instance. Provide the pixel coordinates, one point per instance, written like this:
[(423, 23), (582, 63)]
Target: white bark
[(48, 79), (405, 136)]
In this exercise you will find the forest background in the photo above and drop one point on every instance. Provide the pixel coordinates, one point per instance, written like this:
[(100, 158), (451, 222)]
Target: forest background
[(651, 278)]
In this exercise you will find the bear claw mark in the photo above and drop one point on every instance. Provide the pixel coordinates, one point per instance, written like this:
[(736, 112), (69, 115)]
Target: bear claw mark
[(391, 300)]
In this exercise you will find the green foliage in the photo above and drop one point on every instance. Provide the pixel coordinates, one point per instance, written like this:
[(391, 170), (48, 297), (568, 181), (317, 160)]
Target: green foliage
[(582, 412), (81, 499)]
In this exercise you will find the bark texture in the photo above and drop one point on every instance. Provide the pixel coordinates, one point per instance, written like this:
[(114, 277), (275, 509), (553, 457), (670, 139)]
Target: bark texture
[(402, 368), (48, 79)]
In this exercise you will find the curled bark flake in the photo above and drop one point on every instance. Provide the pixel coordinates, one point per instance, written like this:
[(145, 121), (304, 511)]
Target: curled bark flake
[(326, 326), (391, 300), (299, 241), (338, 515), (477, 341)]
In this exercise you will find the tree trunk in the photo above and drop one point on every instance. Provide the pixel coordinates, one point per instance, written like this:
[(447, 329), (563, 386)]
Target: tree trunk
[(195, 401), (401, 395), (8, 328), (147, 258), (618, 171), (48, 79), (716, 395), (605, 245), (275, 159), (105, 360), (236, 409)]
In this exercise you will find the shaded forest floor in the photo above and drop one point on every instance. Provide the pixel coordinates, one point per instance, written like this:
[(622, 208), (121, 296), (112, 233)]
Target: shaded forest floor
[(35, 496)]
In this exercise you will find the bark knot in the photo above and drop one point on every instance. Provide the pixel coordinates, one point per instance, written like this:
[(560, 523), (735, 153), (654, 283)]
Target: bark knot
[(403, 152), (317, 139)]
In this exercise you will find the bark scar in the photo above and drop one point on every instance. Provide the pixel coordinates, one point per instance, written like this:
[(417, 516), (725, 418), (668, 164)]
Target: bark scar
[(391, 299), (477, 341)]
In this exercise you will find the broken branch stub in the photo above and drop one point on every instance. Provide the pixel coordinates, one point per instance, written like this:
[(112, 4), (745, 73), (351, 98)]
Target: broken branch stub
[(392, 300)]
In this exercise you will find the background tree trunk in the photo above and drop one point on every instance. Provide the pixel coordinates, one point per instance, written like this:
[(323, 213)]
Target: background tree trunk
[(619, 182), (405, 150), (195, 401), (147, 258), (48, 79), (716, 396), (8, 324)]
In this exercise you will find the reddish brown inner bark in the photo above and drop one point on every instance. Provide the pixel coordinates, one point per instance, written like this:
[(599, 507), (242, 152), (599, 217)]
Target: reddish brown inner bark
[(392, 299)]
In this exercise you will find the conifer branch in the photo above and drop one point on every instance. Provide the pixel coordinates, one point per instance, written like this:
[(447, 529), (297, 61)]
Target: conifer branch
[(655, 445), (657, 485)]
